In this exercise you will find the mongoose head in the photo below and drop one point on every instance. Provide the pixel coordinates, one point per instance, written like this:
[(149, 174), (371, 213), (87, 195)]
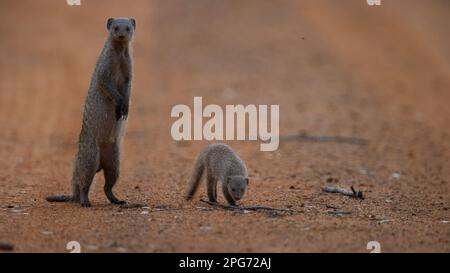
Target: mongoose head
[(121, 29), (237, 186)]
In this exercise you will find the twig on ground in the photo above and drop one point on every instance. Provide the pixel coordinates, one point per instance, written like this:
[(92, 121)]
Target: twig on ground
[(253, 208), (337, 211), (353, 193)]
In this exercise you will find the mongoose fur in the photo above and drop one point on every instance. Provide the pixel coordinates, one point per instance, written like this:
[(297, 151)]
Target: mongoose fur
[(105, 116), (220, 163)]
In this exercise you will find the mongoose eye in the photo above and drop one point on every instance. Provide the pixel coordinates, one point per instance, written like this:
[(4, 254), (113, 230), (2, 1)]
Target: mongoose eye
[(116, 29), (128, 29), (233, 190)]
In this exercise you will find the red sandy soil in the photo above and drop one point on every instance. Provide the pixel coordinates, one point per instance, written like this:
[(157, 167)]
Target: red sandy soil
[(336, 68)]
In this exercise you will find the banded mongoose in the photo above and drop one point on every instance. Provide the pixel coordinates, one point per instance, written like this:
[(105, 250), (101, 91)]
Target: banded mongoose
[(220, 163), (105, 115)]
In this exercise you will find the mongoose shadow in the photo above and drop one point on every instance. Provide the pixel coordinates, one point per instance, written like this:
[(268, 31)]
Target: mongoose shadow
[(220, 162), (105, 116)]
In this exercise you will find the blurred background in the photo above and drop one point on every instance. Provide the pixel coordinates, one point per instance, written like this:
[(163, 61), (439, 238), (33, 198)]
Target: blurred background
[(336, 68)]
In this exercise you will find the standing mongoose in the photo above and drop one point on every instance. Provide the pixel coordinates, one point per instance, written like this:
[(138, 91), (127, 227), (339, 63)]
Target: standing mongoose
[(221, 163), (105, 116)]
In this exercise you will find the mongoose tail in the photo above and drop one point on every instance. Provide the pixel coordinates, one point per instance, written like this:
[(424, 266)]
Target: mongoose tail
[(60, 198), (196, 177)]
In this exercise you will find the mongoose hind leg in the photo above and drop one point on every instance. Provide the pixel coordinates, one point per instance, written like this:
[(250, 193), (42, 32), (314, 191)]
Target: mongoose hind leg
[(110, 160), (85, 168), (211, 186), (227, 194)]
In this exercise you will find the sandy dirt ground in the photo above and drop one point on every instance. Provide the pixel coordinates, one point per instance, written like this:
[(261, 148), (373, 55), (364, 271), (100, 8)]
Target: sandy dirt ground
[(336, 68)]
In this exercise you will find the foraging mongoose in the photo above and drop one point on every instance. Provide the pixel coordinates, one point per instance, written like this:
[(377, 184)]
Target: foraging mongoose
[(105, 115), (221, 163)]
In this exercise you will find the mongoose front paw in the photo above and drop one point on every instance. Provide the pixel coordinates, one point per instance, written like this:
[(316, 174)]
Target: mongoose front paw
[(122, 109)]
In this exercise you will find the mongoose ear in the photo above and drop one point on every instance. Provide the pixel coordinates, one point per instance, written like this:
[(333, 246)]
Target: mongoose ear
[(133, 22), (109, 23), (246, 180)]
